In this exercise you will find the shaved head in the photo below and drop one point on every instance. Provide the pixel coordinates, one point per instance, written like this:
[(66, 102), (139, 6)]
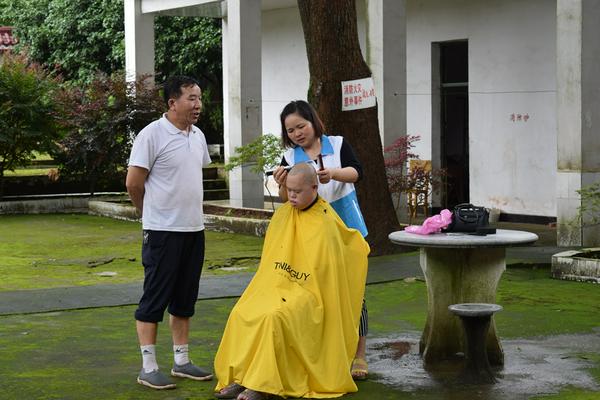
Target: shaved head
[(308, 173)]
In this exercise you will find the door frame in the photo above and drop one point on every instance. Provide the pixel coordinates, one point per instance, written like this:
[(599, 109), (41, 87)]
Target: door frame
[(439, 199)]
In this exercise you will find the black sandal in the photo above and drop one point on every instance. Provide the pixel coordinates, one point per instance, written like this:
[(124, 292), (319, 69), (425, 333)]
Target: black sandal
[(230, 391)]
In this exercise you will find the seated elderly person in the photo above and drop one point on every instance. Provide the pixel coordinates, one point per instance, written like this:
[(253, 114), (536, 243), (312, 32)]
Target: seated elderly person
[(294, 330)]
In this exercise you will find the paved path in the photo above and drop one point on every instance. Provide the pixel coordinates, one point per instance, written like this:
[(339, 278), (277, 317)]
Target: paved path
[(381, 269)]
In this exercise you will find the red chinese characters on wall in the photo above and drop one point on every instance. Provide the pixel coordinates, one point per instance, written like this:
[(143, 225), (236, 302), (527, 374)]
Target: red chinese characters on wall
[(515, 117), (359, 93)]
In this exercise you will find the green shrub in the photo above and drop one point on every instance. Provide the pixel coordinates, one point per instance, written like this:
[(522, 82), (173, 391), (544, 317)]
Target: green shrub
[(28, 118), (262, 154), (100, 119), (589, 211)]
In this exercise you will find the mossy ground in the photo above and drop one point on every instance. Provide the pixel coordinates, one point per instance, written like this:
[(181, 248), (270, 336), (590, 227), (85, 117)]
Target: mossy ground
[(93, 353), (45, 251)]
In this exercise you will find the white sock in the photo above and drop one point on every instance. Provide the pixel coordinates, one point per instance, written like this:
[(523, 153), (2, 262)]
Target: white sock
[(181, 354), (149, 357)]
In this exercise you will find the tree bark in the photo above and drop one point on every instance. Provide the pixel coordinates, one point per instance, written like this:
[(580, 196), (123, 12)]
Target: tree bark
[(331, 37)]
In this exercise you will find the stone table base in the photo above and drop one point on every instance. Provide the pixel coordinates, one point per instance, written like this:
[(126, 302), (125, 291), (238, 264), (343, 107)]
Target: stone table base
[(463, 275)]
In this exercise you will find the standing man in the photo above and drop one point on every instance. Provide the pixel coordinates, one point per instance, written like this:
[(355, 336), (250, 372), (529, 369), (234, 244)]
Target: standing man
[(164, 182)]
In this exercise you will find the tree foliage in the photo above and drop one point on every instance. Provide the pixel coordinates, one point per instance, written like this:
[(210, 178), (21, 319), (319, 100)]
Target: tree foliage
[(80, 38), (263, 153), (192, 46), (189, 46), (99, 119), (27, 112), (83, 37), (76, 38)]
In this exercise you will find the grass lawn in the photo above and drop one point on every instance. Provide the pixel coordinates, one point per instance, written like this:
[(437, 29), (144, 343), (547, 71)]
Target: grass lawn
[(31, 170), (27, 172), (45, 251)]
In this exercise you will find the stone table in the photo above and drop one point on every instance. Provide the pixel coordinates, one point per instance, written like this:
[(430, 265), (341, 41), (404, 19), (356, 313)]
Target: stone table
[(459, 268)]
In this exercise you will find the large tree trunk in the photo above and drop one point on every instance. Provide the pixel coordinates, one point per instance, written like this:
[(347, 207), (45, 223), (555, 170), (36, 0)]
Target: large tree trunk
[(331, 36)]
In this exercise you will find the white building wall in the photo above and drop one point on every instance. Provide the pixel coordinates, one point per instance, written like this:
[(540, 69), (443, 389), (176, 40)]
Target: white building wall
[(285, 65), (512, 56)]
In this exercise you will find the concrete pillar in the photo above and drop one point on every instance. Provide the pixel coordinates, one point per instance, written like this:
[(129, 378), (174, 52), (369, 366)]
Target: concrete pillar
[(242, 95), (578, 119), (139, 41), (386, 56)]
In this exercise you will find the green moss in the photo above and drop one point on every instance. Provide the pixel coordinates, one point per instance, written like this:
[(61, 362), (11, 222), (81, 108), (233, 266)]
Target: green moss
[(45, 251), (94, 354), (396, 307), (570, 394), (536, 305)]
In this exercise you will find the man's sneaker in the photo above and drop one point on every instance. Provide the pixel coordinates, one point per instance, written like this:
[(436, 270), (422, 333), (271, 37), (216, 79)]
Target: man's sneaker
[(191, 371), (155, 379)]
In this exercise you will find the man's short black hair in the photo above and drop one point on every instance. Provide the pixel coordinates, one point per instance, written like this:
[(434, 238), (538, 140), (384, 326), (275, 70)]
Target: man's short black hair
[(172, 87)]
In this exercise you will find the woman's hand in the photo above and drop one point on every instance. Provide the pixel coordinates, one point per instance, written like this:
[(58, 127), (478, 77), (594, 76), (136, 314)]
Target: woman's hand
[(280, 175), (326, 174)]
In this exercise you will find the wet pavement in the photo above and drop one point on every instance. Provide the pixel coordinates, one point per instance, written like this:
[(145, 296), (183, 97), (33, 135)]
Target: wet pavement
[(533, 366)]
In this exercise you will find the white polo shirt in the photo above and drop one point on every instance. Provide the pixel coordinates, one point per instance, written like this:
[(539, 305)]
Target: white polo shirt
[(173, 189)]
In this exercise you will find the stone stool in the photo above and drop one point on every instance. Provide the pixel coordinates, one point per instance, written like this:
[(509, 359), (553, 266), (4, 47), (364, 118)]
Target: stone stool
[(476, 322)]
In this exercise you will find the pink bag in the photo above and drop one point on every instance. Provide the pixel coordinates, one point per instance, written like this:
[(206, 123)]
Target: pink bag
[(433, 224)]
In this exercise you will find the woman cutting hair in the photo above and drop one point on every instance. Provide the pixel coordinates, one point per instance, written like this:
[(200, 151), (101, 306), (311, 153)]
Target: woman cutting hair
[(303, 135)]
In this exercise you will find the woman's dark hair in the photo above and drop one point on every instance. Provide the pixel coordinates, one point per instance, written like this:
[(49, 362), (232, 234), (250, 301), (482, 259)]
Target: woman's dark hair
[(306, 111), (172, 87)]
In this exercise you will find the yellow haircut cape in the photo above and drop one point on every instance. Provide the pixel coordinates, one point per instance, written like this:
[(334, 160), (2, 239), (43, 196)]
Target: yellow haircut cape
[(294, 331)]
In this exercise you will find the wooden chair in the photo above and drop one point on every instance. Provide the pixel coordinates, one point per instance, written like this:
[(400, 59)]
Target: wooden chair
[(418, 195)]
